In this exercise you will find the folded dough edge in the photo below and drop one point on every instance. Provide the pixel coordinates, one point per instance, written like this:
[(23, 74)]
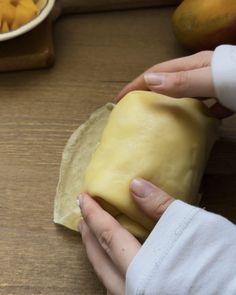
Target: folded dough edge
[(75, 159)]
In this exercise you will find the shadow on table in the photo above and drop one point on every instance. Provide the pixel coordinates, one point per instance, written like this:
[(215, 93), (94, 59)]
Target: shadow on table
[(219, 182)]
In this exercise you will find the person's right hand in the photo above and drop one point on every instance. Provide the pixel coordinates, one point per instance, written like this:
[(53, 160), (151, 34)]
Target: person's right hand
[(188, 76)]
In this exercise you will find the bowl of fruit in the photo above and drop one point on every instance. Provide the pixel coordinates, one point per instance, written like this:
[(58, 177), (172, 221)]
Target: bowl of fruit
[(20, 16)]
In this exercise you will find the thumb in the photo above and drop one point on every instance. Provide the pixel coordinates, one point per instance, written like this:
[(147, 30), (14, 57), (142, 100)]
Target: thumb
[(149, 198), (192, 83)]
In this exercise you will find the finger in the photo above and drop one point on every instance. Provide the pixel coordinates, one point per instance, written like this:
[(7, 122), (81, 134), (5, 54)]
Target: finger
[(220, 111), (194, 83), (137, 84), (107, 273), (195, 61), (149, 198), (117, 242)]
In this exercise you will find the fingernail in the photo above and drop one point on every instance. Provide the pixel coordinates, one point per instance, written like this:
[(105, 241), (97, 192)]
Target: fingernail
[(140, 187), (154, 78), (80, 200)]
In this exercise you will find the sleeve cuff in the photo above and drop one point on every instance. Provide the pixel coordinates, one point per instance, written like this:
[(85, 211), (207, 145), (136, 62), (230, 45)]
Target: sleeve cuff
[(157, 246), (224, 75)]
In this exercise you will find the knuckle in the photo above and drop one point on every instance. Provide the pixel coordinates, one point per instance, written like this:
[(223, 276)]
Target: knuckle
[(203, 58), (106, 239), (181, 83), (158, 202), (161, 204), (181, 79)]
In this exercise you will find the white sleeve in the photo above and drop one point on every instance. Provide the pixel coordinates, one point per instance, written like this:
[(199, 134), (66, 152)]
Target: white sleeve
[(190, 251), (224, 75)]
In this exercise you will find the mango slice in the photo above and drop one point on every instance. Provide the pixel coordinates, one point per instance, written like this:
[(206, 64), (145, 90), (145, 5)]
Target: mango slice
[(16, 13)]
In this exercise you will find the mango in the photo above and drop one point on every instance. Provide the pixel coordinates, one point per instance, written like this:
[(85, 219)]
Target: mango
[(7, 14), (16, 13), (205, 24)]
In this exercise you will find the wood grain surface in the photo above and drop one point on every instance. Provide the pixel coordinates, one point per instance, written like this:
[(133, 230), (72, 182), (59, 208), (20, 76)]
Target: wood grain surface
[(35, 49), (96, 55)]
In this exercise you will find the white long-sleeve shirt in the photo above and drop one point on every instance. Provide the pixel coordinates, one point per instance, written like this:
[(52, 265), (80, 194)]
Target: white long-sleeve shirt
[(191, 251)]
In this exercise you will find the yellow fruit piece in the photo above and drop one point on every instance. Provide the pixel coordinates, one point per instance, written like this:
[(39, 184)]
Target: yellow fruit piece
[(15, 13), (5, 27), (23, 14), (7, 14)]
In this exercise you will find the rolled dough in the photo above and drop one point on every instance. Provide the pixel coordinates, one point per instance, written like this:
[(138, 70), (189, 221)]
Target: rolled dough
[(161, 139)]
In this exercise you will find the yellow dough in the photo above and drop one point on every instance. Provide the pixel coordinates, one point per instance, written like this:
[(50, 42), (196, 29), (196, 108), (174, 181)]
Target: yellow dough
[(161, 139)]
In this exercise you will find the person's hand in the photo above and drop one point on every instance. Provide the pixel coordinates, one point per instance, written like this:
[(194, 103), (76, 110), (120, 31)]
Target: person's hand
[(188, 76), (110, 247)]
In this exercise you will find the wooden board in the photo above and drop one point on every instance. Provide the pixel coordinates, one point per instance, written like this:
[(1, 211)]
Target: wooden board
[(96, 56), (32, 50), (35, 49)]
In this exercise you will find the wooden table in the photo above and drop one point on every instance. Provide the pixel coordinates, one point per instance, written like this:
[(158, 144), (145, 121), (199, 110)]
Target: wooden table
[(96, 55)]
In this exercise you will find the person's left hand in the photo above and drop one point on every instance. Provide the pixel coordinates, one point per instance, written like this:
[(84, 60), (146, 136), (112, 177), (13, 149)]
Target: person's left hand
[(110, 247)]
